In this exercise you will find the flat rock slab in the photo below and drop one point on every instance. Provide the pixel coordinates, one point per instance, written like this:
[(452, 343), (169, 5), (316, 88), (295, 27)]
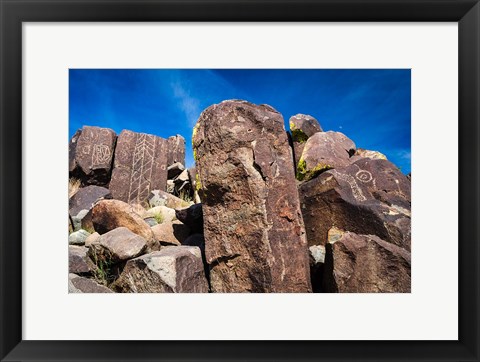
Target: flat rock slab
[(108, 215), (302, 127), (176, 269), (371, 196), (176, 150), (140, 166), (324, 151), (92, 156), (116, 246), (78, 284), (254, 233), (365, 264)]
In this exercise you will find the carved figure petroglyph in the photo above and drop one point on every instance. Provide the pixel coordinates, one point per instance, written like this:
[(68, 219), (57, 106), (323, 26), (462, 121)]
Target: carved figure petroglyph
[(356, 191), (142, 167)]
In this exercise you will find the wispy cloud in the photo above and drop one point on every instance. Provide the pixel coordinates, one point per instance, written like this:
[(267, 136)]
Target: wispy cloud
[(188, 104)]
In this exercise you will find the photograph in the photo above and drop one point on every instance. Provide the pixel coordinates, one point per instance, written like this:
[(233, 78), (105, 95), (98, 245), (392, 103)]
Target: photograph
[(239, 181)]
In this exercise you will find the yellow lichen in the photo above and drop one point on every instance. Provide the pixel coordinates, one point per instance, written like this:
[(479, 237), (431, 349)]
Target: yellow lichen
[(305, 174)]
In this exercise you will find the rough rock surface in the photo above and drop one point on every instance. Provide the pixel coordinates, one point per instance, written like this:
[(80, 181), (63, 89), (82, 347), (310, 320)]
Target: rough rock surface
[(324, 151), (255, 239), (176, 150), (191, 216), (108, 215), (91, 152), (80, 204), (78, 261), (162, 198), (116, 246), (140, 165), (302, 127), (171, 232), (176, 269), (78, 284), (175, 169), (365, 264), (92, 238), (370, 154), (371, 197)]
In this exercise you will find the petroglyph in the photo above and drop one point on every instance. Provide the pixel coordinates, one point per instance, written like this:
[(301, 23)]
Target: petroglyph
[(364, 176), (101, 154), (356, 191), (142, 167)]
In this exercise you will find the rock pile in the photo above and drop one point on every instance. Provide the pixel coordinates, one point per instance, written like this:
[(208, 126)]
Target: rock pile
[(281, 212)]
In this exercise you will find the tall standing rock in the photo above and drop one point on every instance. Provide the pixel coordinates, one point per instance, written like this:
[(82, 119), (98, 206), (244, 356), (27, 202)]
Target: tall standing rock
[(176, 150), (140, 166), (254, 232), (91, 152), (302, 127)]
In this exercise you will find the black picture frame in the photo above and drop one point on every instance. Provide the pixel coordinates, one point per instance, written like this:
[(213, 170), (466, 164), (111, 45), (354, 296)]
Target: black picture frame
[(14, 12)]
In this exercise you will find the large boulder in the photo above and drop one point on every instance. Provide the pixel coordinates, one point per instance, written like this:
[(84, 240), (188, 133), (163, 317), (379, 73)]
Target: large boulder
[(171, 232), (108, 215), (365, 264), (78, 284), (140, 166), (254, 233), (324, 151), (116, 246), (302, 127), (191, 216), (82, 202), (176, 269), (371, 196), (78, 261), (176, 150), (91, 153)]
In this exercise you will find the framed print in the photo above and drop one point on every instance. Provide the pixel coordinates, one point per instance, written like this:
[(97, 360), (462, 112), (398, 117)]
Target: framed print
[(246, 180)]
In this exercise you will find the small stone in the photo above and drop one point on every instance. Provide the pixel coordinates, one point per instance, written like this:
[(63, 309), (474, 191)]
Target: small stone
[(160, 214), (78, 284), (117, 245), (171, 232), (78, 237)]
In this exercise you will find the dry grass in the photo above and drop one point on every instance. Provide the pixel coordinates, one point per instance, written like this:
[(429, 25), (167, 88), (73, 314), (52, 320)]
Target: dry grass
[(73, 186)]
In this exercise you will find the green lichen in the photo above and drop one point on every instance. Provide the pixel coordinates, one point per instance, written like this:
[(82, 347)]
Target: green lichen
[(305, 174), (198, 183), (298, 135), (195, 129)]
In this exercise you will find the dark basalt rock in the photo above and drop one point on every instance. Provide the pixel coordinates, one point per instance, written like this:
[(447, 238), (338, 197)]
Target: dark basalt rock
[(365, 264), (371, 196), (302, 127), (254, 233), (140, 166), (90, 155)]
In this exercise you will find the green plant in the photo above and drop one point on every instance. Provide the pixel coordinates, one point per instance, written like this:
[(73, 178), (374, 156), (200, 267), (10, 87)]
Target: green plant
[(158, 216), (185, 196), (73, 186), (104, 271)]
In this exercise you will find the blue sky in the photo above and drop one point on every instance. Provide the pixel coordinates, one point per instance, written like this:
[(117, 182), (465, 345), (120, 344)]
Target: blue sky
[(370, 106)]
